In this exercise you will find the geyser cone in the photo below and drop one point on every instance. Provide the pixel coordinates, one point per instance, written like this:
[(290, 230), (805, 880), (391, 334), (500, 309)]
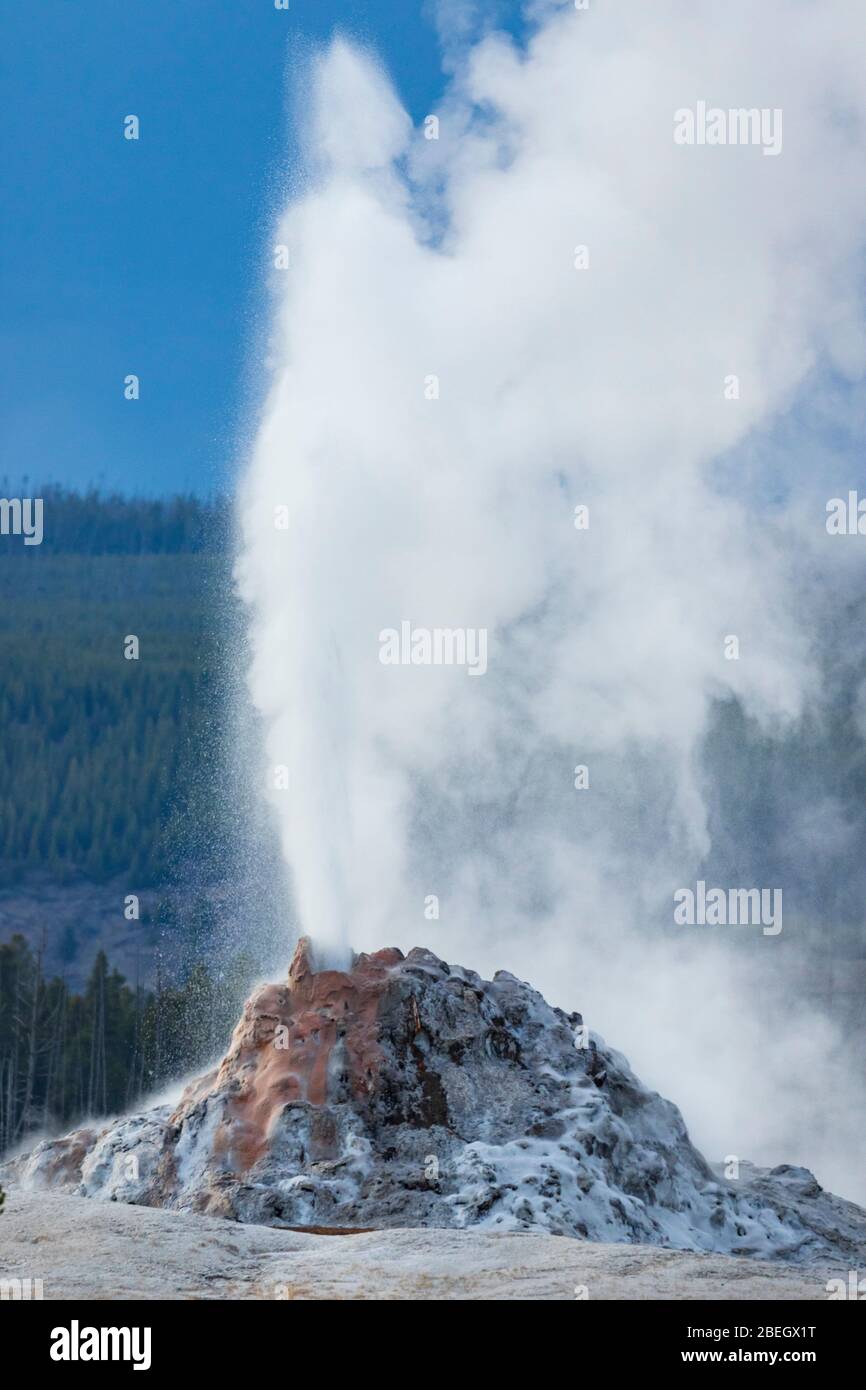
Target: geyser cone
[(404, 1091)]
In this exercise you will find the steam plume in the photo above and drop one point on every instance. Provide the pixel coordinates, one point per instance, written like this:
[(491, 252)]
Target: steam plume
[(420, 266)]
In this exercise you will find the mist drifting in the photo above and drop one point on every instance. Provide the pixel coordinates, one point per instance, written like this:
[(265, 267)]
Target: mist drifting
[(540, 310)]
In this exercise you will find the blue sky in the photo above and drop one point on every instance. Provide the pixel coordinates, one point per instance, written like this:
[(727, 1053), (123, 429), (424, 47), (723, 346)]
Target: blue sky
[(120, 256)]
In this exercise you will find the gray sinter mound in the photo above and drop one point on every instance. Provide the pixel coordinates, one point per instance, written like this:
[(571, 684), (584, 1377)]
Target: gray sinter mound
[(407, 1092)]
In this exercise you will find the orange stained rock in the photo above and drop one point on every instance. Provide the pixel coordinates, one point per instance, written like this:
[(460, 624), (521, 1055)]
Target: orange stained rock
[(283, 1051)]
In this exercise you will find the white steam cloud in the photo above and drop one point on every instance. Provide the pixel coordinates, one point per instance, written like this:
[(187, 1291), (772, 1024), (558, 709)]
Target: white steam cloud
[(605, 386)]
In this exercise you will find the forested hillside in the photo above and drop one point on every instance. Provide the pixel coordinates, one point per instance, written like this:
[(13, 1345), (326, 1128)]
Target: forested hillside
[(98, 523), (112, 781), (65, 1055), (101, 756)]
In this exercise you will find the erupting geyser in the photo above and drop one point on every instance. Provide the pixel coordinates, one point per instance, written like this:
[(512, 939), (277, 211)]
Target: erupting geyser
[(452, 388)]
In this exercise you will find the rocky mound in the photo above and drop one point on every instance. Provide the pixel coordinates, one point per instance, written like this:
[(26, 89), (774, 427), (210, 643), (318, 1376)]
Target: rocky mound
[(407, 1092)]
